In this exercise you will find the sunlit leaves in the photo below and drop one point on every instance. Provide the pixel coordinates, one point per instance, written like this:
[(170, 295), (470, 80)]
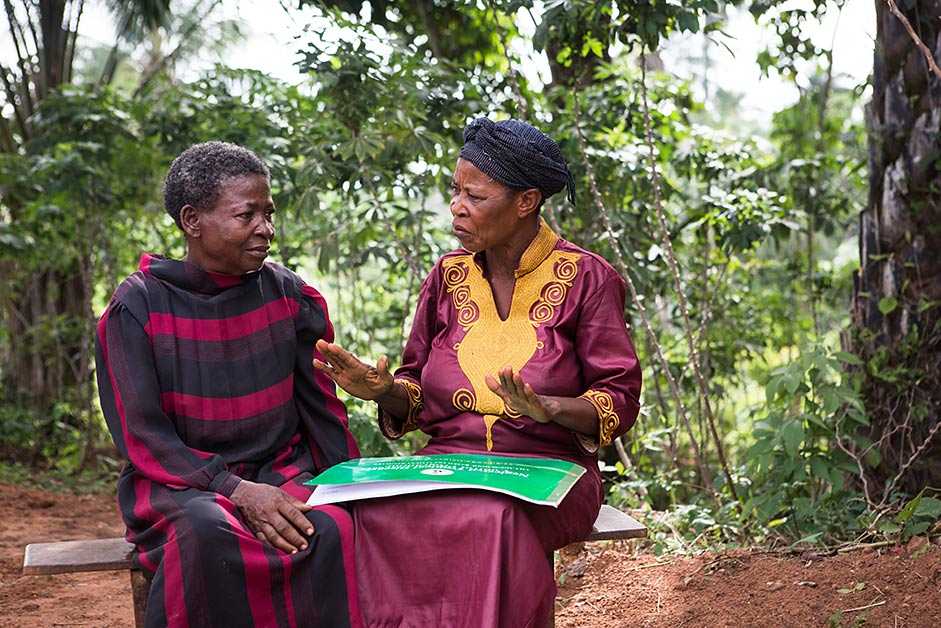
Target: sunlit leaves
[(794, 45)]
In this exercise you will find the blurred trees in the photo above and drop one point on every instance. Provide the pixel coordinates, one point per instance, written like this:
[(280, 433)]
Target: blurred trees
[(54, 202), (738, 249), (72, 171)]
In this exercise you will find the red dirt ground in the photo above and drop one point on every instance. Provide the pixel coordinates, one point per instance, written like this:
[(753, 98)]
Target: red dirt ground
[(620, 583)]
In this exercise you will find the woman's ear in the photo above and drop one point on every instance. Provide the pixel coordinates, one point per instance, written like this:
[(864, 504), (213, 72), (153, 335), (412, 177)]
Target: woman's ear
[(527, 202), (189, 221)]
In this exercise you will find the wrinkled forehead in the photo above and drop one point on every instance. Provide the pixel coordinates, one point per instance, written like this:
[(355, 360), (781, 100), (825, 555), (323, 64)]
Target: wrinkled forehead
[(466, 173)]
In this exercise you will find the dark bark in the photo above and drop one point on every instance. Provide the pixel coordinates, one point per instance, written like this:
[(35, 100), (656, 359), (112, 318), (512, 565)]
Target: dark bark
[(900, 253)]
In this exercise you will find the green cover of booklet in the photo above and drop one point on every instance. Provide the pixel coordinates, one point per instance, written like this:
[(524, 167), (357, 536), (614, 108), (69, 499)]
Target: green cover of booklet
[(538, 480)]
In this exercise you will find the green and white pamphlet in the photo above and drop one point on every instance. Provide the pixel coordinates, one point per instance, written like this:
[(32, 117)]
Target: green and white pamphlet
[(538, 480)]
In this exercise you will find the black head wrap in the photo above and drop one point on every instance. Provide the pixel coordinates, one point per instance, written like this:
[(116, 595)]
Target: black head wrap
[(518, 155)]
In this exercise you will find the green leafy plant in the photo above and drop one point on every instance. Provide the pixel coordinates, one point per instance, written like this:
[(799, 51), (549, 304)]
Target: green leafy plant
[(915, 518), (797, 475)]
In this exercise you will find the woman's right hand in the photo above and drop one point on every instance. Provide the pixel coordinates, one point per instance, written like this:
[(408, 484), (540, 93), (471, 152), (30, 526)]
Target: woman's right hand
[(352, 374)]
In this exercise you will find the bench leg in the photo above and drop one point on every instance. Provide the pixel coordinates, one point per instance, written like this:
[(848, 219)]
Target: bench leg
[(550, 556), (140, 589)]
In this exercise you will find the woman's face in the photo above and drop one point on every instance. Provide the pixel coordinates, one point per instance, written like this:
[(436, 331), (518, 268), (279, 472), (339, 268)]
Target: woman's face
[(483, 211), (234, 236)]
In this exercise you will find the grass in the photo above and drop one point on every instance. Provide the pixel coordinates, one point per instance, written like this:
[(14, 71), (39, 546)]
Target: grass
[(90, 481)]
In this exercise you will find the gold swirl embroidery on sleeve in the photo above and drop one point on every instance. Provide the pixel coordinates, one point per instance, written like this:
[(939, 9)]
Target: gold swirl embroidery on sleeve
[(461, 295), (607, 417), (455, 271), (554, 293), (416, 403)]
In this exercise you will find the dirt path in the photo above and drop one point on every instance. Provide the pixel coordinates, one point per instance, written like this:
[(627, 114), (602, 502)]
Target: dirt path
[(619, 585)]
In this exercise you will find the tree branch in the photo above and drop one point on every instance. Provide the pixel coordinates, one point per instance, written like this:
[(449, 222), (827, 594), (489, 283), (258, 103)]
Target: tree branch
[(521, 103), (915, 38), (11, 91), (671, 259), (26, 109), (641, 310), (431, 29), (7, 141), (403, 250), (152, 72), (72, 38)]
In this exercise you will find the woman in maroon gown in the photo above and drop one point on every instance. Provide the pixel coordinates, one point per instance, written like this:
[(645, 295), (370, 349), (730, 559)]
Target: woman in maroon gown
[(206, 381), (518, 347)]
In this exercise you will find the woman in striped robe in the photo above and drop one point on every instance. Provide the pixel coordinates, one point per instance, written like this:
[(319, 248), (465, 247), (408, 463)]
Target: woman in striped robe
[(206, 383)]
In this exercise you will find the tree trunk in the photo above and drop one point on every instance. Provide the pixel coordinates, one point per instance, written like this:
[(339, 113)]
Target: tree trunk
[(45, 359), (897, 289)]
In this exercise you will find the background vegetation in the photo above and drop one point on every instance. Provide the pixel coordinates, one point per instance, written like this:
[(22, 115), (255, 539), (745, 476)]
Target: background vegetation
[(784, 282)]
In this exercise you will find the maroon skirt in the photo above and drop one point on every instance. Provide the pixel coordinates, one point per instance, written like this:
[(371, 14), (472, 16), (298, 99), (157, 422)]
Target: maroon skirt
[(464, 558)]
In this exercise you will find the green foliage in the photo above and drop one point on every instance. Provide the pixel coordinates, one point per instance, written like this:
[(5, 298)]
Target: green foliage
[(797, 466), (361, 154), (63, 200), (792, 44), (452, 32), (693, 528), (585, 27), (100, 479), (915, 518)]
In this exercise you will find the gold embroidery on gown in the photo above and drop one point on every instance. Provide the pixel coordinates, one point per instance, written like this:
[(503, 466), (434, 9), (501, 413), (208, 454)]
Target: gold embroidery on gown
[(416, 403), (609, 420), (490, 343)]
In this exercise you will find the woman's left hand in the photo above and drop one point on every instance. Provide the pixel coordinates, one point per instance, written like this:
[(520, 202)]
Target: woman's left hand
[(518, 395), (274, 516)]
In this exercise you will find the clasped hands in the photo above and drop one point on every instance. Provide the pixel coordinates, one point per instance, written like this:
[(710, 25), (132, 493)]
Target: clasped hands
[(375, 382)]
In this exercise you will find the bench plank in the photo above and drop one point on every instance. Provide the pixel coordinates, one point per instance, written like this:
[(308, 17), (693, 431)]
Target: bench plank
[(614, 524), (76, 556)]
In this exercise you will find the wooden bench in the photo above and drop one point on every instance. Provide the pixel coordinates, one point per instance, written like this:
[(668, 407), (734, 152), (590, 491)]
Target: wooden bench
[(90, 555), (116, 554), (612, 524)]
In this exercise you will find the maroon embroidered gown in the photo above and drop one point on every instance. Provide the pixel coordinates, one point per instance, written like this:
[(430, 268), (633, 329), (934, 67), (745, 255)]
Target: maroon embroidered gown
[(204, 379), (473, 558)]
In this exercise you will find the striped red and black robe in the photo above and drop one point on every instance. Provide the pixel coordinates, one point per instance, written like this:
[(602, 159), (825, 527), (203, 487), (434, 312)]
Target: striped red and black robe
[(205, 379)]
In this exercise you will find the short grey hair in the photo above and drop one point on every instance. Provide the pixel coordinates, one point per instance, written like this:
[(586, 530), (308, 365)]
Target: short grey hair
[(195, 177)]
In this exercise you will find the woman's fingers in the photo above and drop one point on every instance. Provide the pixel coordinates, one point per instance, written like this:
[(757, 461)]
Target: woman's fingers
[(512, 383), (294, 510), (509, 386), (273, 516), (283, 536), (288, 527), (338, 359), (494, 385), (333, 353), (382, 365), (517, 394)]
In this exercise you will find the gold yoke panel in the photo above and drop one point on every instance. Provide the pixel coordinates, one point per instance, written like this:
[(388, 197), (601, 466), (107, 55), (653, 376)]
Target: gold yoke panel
[(491, 343)]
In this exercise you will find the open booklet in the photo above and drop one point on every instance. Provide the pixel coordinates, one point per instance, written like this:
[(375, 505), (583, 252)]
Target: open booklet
[(538, 480)]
